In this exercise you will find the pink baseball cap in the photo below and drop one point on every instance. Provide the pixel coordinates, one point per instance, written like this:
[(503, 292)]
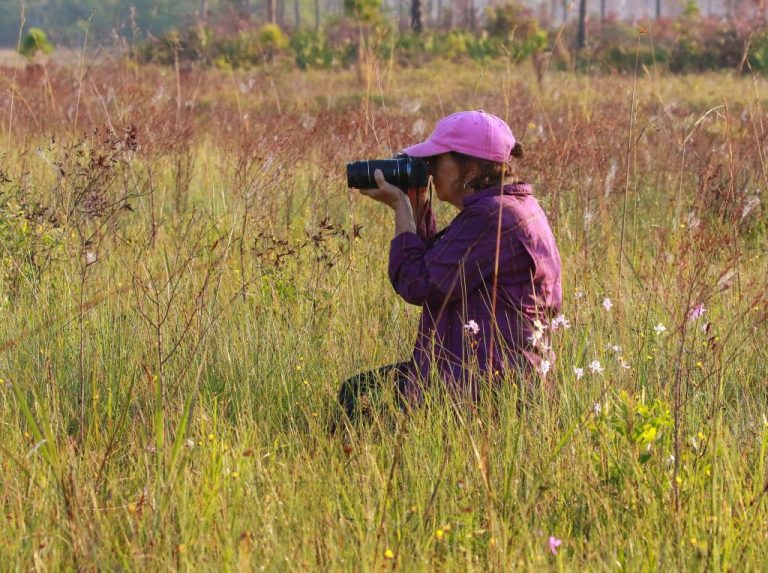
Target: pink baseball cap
[(475, 133)]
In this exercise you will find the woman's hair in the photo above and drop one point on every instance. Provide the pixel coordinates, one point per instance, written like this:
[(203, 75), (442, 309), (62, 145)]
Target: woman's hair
[(490, 172)]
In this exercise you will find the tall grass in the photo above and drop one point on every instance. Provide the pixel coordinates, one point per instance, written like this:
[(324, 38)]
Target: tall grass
[(185, 288)]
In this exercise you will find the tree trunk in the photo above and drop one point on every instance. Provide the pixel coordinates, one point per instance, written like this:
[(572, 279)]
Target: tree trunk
[(658, 9), (416, 24), (317, 15), (272, 11), (602, 11), (297, 13), (581, 39)]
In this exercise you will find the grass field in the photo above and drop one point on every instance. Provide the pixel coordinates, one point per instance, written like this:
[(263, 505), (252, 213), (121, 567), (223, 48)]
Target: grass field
[(186, 280)]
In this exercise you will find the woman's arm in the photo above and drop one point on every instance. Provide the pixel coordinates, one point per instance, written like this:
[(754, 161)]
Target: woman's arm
[(404, 221), (393, 197), (461, 261), (421, 206)]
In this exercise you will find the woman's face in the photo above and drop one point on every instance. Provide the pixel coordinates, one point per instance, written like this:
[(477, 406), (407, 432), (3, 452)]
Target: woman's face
[(447, 179)]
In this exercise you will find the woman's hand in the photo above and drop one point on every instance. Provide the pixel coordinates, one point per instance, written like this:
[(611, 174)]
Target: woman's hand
[(386, 192)]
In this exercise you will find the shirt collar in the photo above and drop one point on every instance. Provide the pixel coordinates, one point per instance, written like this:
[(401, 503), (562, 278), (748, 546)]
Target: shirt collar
[(518, 189)]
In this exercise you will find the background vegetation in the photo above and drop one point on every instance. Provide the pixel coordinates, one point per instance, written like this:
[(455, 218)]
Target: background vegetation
[(186, 280)]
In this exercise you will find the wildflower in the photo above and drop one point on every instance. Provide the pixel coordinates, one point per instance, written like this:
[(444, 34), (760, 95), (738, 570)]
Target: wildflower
[(471, 327), (538, 325), (697, 312), (613, 347), (607, 304), (554, 543), (189, 444), (579, 373), (90, 258), (597, 408), (659, 329), (439, 534), (389, 554), (560, 321), (535, 337), (578, 294), (545, 367), (595, 366), (623, 363)]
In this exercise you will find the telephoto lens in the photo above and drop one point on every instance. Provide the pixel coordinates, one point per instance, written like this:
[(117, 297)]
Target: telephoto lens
[(403, 172)]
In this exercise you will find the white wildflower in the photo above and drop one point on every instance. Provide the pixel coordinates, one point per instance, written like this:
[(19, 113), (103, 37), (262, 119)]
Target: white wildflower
[(536, 337), (659, 329), (595, 367), (545, 366), (472, 327), (607, 304), (579, 372), (560, 321)]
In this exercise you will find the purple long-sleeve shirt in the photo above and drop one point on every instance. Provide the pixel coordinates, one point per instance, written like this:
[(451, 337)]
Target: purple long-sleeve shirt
[(450, 275)]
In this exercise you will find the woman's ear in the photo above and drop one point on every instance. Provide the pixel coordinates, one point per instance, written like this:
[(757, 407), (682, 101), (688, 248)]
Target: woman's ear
[(473, 170)]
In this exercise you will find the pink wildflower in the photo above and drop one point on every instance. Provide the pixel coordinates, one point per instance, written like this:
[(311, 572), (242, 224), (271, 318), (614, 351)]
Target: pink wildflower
[(472, 327), (697, 312), (554, 543)]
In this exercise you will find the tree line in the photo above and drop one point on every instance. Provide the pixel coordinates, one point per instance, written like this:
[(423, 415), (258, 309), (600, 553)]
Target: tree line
[(65, 21)]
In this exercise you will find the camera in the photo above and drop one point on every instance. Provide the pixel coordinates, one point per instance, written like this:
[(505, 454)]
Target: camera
[(403, 171)]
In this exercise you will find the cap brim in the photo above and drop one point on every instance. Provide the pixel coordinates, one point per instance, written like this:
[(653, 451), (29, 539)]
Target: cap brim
[(425, 149)]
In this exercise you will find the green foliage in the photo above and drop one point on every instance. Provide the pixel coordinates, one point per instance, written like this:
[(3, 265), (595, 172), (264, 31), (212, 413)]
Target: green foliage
[(365, 11), (34, 41), (192, 44), (314, 50), (691, 9), (30, 238), (624, 57), (758, 52), (272, 37)]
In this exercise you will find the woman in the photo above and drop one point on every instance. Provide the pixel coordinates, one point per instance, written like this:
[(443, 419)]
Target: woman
[(487, 284)]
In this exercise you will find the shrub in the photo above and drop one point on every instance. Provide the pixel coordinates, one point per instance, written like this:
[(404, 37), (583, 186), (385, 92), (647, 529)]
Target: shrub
[(758, 52), (34, 41)]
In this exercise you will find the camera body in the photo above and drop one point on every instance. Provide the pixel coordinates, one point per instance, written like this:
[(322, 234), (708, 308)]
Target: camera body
[(403, 171)]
